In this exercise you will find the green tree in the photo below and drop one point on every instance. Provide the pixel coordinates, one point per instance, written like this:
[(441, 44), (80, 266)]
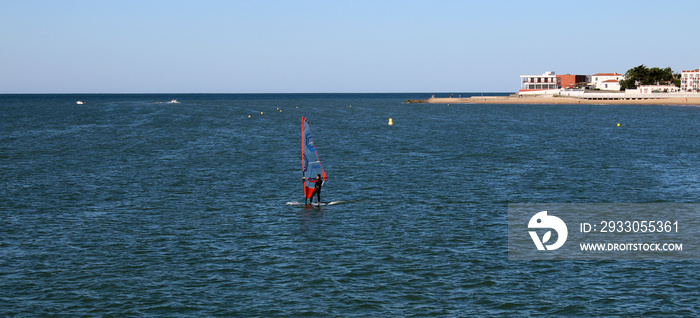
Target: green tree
[(641, 75), (677, 79), (632, 76)]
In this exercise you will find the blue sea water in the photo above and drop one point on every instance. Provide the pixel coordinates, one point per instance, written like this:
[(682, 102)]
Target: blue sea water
[(131, 206)]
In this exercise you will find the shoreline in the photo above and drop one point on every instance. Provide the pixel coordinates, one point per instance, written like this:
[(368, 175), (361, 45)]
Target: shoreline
[(551, 100)]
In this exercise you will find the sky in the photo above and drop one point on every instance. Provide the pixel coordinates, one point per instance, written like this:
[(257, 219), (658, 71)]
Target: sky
[(327, 46)]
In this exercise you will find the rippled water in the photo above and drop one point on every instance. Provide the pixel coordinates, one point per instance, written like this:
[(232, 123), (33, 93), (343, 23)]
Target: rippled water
[(129, 206)]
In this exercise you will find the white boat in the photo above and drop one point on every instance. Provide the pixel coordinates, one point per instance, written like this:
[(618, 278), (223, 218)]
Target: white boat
[(80, 102), (174, 101)]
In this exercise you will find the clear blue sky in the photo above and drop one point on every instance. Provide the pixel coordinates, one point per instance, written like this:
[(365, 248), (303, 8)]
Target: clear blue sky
[(160, 46)]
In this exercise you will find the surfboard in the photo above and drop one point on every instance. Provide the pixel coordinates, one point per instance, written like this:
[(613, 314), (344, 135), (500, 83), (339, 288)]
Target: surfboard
[(315, 204)]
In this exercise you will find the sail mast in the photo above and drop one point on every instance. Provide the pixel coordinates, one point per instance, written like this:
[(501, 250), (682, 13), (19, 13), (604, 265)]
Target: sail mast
[(303, 166)]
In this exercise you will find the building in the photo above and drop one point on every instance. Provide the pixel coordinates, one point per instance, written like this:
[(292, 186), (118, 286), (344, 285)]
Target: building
[(690, 80), (610, 85), (649, 89), (571, 81), (539, 83), (607, 81)]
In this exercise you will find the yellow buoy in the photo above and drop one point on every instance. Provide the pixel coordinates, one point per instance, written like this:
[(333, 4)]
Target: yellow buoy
[(261, 113), (618, 124), (248, 116), (391, 122), (280, 110)]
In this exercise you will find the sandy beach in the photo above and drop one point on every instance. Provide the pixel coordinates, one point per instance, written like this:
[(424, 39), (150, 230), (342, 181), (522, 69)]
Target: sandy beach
[(556, 100)]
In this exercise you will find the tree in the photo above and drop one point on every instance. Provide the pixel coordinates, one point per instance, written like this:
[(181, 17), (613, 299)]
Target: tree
[(677, 79), (641, 75)]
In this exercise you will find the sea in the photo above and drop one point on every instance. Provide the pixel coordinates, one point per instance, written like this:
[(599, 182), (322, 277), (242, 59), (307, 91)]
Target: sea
[(131, 206)]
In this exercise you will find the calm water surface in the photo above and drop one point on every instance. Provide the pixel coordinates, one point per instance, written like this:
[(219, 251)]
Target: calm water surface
[(130, 206)]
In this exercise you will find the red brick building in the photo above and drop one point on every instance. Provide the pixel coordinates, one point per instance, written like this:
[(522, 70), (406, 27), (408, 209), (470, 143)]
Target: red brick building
[(570, 81)]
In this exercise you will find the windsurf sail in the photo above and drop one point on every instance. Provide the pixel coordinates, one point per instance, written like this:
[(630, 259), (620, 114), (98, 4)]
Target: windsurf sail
[(311, 164)]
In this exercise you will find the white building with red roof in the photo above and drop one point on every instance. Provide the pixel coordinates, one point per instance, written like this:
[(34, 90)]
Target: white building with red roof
[(607, 81), (690, 80)]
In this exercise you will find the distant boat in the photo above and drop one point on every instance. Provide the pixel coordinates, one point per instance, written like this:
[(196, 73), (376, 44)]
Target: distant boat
[(80, 102), (174, 101)]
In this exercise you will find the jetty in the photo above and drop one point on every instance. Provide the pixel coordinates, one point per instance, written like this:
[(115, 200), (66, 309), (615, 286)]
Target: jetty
[(567, 98)]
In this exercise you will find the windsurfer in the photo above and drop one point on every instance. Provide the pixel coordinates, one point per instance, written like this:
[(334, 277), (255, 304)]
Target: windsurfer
[(317, 188)]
